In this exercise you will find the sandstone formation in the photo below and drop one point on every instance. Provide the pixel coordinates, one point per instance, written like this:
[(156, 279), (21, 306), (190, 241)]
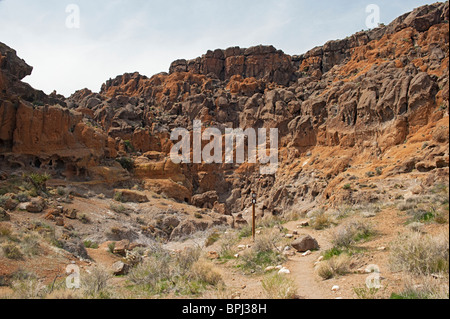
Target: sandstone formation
[(347, 112)]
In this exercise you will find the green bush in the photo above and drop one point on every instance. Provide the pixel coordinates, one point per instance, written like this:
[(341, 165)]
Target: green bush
[(126, 162)]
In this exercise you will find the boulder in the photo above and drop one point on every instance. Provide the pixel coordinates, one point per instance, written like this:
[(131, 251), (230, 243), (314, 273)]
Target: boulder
[(121, 247), (305, 243), (131, 196), (36, 205), (205, 200), (120, 268)]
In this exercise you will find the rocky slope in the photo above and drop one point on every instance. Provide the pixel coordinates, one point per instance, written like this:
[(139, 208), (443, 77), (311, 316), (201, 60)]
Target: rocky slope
[(371, 109)]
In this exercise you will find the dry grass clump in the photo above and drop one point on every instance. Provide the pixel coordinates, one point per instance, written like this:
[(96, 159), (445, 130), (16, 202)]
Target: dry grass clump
[(420, 254), (352, 232), (181, 273), (95, 283), (227, 245), (28, 286), (204, 272), (424, 287), (263, 253), (335, 266), (320, 220), (12, 251), (278, 286)]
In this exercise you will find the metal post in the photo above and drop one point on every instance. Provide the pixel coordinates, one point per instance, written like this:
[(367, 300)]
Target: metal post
[(254, 215)]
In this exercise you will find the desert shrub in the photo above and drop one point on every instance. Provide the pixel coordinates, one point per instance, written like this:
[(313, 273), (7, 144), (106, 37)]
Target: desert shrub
[(23, 197), (278, 286), (416, 227), (370, 174), (126, 162), (186, 259), (61, 191), (270, 220), (12, 251), (154, 269), (84, 219), (203, 272), (227, 245), (5, 231), (367, 293), (119, 209), (320, 220), (198, 215), (291, 215), (111, 247), (263, 253), (352, 232), (28, 287), (118, 197), (424, 287), (30, 245), (336, 265), (183, 273), (39, 180), (3, 199), (245, 232), (420, 254), (212, 238), (95, 283), (90, 244), (330, 253)]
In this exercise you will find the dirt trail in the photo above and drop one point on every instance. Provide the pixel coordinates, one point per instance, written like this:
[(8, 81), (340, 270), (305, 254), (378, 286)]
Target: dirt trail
[(310, 286)]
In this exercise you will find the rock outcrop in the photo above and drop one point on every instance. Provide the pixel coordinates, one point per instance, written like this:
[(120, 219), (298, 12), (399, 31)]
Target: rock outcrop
[(346, 112)]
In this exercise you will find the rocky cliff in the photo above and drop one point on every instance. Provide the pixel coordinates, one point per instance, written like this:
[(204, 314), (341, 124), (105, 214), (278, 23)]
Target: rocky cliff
[(365, 111)]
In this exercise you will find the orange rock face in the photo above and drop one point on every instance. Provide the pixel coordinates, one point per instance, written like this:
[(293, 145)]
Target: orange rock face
[(368, 103)]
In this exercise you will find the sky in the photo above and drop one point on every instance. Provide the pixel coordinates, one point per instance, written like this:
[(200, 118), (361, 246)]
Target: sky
[(82, 46)]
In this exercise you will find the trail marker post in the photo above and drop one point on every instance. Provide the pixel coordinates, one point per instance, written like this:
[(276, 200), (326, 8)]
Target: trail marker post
[(254, 215)]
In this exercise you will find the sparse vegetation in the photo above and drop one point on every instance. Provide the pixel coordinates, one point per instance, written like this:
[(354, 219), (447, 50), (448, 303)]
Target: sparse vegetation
[(351, 232), (84, 219), (90, 244), (126, 162), (39, 181), (277, 286), (95, 283), (245, 232), (212, 238), (263, 253), (119, 209), (335, 266), (321, 220), (111, 247), (423, 288), (227, 244), (420, 254), (182, 274), (118, 197), (12, 251), (28, 286), (367, 293)]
